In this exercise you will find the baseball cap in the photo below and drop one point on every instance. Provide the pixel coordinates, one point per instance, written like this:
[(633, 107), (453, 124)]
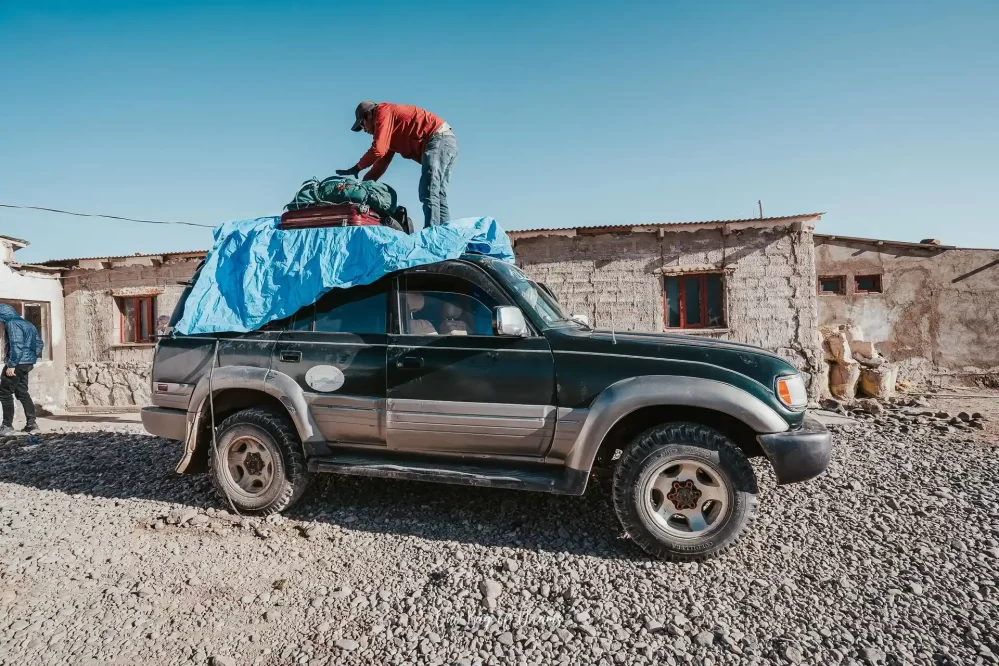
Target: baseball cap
[(362, 110)]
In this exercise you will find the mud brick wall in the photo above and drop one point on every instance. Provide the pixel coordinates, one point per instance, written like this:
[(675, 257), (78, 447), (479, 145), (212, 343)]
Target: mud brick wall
[(937, 316), (102, 372), (618, 280)]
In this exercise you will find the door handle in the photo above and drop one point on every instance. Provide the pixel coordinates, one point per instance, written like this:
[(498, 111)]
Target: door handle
[(409, 362), (291, 356)]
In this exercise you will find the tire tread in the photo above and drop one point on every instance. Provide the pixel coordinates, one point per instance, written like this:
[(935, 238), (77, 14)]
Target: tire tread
[(690, 435), (280, 428)]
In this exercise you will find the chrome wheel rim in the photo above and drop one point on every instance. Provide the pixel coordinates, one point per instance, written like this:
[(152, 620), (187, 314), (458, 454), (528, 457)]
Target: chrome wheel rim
[(250, 465), (687, 498)]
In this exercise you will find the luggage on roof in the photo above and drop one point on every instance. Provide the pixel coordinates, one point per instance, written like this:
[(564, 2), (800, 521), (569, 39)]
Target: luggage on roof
[(377, 196), (345, 202), (333, 215)]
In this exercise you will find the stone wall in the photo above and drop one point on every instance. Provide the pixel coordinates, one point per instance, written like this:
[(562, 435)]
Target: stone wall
[(617, 279), (118, 386), (104, 373), (938, 312)]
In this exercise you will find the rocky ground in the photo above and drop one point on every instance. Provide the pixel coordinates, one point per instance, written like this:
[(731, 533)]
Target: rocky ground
[(107, 557)]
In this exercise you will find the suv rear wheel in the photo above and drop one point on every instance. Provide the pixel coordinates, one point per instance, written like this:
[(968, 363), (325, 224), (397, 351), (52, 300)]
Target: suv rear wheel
[(258, 465), (684, 491)]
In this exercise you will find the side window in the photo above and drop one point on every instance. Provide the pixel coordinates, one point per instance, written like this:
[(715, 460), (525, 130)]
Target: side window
[(300, 321), (355, 310), (434, 304)]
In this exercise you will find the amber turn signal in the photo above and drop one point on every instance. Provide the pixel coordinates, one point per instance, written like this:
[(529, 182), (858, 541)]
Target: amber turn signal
[(791, 391)]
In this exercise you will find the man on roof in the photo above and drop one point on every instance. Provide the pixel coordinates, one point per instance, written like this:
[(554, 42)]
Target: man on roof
[(417, 135)]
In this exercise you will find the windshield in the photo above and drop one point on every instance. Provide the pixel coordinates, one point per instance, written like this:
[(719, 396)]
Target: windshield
[(540, 301)]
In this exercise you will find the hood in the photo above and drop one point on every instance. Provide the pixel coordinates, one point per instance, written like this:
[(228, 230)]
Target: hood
[(754, 362), (676, 339), (7, 313)]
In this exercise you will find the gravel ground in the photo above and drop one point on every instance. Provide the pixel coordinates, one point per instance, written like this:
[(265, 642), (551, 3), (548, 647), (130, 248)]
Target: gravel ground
[(108, 557)]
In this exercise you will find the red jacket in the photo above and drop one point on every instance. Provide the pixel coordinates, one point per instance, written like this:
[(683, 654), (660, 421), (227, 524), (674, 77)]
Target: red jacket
[(399, 128)]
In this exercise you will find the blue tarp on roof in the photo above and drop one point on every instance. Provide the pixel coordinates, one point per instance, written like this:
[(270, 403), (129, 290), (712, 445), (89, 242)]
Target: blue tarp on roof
[(257, 273)]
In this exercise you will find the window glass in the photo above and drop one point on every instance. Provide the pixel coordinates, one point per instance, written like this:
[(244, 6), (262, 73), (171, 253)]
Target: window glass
[(548, 308), (692, 299), (869, 284), (831, 285), (145, 325), (673, 302), (33, 314), (713, 287), (302, 321), (445, 305), (178, 310), (356, 310), (128, 321)]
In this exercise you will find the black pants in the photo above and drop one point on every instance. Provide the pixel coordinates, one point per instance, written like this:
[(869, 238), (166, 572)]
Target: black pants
[(16, 386)]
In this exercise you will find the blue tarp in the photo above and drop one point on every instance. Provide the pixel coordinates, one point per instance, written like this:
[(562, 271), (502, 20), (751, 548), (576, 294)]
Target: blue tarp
[(257, 273)]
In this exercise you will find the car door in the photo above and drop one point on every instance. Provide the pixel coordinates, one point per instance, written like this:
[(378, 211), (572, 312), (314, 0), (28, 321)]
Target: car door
[(335, 351), (455, 386)]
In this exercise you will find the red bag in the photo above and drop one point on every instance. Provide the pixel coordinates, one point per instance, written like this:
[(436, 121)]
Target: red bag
[(334, 215)]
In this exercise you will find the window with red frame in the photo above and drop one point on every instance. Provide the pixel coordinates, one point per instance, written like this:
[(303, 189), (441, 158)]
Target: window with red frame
[(694, 300), (867, 284), (832, 284), (138, 320)]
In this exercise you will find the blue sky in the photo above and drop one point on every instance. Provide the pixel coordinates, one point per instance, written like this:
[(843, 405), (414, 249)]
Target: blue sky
[(883, 115)]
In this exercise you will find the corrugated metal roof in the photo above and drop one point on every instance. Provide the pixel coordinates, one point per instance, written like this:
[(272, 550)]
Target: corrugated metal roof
[(51, 262), (20, 241), (632, 225), (878, 241)]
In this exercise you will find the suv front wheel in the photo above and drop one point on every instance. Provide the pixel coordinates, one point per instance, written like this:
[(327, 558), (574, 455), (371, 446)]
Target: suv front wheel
[(258, 465), (684, 491)]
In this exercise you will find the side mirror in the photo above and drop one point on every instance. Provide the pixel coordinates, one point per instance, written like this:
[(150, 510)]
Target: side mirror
[(582, 319), (509, 321)]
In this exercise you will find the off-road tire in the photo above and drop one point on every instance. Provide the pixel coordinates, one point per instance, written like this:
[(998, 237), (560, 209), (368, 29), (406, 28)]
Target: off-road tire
[(276, 432), (691, 441)]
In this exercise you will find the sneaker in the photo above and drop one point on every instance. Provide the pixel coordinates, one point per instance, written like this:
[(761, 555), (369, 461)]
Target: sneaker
[(7, 431), (31, 427)]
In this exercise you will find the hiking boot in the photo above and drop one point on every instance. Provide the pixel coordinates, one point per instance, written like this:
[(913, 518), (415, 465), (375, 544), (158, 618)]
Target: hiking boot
[(7, 431), (31, 427)]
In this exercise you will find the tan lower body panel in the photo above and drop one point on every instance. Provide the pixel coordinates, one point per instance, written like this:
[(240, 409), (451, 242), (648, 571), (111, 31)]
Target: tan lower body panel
[(473, 427)]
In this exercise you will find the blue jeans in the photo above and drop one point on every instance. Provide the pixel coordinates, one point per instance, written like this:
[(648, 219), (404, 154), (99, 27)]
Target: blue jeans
[(438, 160)]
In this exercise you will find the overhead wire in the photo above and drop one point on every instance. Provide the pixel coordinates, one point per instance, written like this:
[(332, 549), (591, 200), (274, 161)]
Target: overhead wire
[(110, 217)]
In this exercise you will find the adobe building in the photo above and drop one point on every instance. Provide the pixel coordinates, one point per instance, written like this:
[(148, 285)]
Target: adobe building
[(929, 308), (749, 280), (36, 294), (114, 307)]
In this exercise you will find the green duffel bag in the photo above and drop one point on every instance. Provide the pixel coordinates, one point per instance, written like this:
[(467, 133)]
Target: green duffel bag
[(377, 196)]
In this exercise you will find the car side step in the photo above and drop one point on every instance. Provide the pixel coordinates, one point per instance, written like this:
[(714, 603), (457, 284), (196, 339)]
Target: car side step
[(559, 480)]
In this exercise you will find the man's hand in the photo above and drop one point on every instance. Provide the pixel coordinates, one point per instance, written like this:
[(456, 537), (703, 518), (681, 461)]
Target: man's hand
[(11, 372), (352, 171)]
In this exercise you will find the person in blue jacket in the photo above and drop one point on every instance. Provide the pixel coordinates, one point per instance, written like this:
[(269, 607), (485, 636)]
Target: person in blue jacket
[(22, 348)]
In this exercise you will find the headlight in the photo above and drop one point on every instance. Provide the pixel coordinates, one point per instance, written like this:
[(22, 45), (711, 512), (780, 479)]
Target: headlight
[(791, 391)]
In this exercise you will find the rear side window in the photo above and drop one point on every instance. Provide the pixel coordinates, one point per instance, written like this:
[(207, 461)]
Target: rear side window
[(356, 310), (178, 310)]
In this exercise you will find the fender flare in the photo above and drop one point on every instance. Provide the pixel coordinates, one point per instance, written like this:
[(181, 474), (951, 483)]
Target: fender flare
[(265, 380), (628, 395)]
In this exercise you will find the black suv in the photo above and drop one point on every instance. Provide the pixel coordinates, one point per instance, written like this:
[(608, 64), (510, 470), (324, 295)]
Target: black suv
[(468, 372)]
